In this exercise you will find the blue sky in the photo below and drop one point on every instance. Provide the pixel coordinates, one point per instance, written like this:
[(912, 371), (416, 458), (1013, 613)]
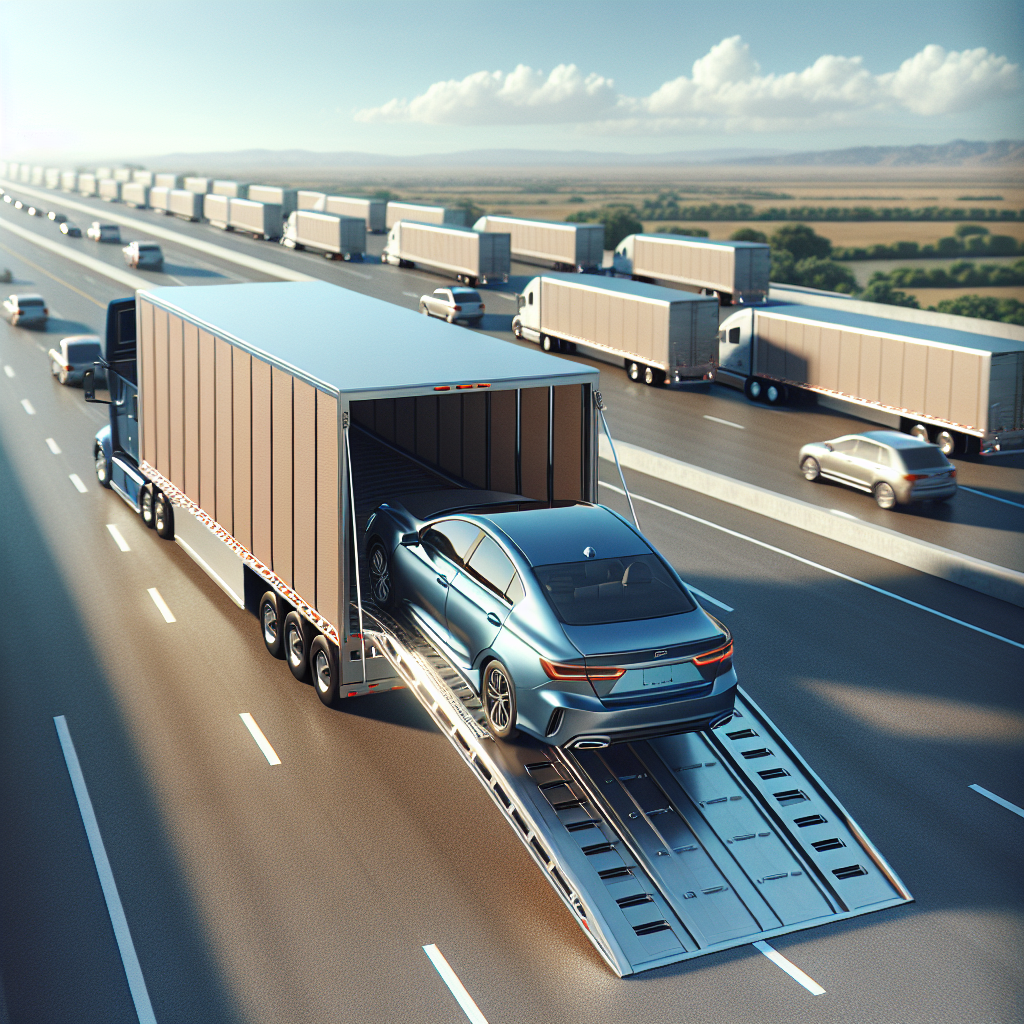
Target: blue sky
[(116, 80)]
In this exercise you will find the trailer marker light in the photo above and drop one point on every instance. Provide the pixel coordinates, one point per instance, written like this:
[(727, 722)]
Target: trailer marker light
[(483, 385), (462, 387), (442, 387)]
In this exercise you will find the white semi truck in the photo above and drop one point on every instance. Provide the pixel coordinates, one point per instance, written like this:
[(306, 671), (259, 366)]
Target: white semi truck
[(336, 237), (183, 203), (261, 220), (469, 255), (134, 193), (658, 334)]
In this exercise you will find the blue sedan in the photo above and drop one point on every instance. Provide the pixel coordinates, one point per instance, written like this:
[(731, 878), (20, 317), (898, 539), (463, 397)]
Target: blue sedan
[(568, 623)]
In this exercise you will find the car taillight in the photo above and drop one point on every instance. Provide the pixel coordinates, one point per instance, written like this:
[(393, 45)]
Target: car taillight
[(720, 654), (915, 476), (458, 309), (603, 673), (952, 470), (482, 307)]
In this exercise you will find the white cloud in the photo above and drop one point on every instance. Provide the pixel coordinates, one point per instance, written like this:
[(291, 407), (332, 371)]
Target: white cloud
[(725, 89)]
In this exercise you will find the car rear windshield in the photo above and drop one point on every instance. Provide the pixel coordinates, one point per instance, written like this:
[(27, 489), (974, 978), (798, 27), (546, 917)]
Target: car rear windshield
[(465, 295), (83, 351), (606, 590), (923, 458), (148, 247), (24, 301)]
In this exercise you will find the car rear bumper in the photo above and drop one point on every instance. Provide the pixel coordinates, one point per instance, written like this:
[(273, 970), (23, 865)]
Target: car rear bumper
[(915, 494)]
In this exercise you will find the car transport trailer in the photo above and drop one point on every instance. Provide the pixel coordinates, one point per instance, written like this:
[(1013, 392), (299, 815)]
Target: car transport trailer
[(258, 424)]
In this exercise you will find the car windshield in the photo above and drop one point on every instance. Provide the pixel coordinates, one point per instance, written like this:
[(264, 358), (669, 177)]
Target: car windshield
[(923, 458), (465, 295), (605, 590)]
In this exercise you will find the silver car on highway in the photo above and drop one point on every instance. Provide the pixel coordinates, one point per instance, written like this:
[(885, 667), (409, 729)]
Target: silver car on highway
[(896, 468), (454, 304)]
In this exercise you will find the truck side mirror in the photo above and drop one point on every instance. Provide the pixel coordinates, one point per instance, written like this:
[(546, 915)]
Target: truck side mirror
[(89, 387)]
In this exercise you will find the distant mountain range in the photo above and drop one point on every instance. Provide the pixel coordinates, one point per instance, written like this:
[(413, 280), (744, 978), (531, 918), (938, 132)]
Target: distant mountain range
[(959, 153)]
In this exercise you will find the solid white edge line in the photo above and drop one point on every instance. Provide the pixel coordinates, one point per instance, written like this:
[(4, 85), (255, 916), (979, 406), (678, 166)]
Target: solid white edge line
[(261, 741), (9, 370), (985, 494), (713, 600), (162, 605), (457, 989), (726, 423), (118, 539), (815, 565), (53, 446), (77, 481), (998, 799), (791, 969), (122, 934), (28, 407)]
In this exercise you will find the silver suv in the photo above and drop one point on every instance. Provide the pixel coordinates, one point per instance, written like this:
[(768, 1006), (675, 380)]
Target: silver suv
[(896, 468), (454, 304), (144, 255)]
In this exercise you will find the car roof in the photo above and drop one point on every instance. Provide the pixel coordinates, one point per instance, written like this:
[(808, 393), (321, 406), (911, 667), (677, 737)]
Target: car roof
[(542, 534), (894, 439), (30, 296)]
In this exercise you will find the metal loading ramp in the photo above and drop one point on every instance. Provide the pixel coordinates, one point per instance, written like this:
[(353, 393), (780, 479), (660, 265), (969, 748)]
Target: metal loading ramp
[(667, 848)]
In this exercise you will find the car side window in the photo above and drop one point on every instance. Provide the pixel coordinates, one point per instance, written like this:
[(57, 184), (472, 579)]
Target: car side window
[(491, 566), (867, 450), (451, 538), (515, 591), (882, 457), (845, 447)]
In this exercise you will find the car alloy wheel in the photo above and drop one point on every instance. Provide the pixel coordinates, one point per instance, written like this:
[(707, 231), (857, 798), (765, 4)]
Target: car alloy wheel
[(499, 700), (380, 576), (885, 495), (810, 469)]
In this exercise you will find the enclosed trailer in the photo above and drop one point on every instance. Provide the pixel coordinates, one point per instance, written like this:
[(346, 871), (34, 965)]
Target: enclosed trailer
[(232, 189), (261, 220), (373, 211), (160, 199), (69, 181), (51, 179), (274, 195), (307, 200), (185, 204), (104, 172), (122, 174), (734, 271), (87, 184), (109, 190), (216, 210), (423, 214), (964, 391), (658, 334), (143, 178), (167, 181), (134, 193), (198, 185), (471, 256), (335, 237), (565, 246), (37, 176)]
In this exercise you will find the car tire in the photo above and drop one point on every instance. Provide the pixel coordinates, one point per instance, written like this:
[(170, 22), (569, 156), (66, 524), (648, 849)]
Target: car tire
[(633, 370), (810, 469), (382, 586), (920, 431), (296, 645), (885, 496), (498, 696), (271, 624), (753, 389), (146, 506), (163, 516), (323, 667), (948, 442), (102, 466)]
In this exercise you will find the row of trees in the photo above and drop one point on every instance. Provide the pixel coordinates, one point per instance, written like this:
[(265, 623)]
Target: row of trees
[(963, 274), (968, 240)]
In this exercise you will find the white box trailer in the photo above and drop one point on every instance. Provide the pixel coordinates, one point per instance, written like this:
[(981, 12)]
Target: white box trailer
[(37, 176), (423, 214), (160, 199), (373, 211), (122, 174), (657, 334), (274, 195), (734, 271), (261, 220), (305, 199), (167, 181), (87, 184), (25, 174), (51, 179), (471, 256), (69, 181), (104, 172), (134, 193), (143, 178), (336, 237), (231, 189), (564, 246), (216, 210), (198, 185), (109, 190), (961, 390), (185, 204)]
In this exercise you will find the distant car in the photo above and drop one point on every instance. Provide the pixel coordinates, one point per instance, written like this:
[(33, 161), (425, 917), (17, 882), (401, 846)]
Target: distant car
[(73, 356), (896, 468), (454, 304), (144, 255), (19, 205), (569, 625), (100, 232), (57, 218), (71, 230), (24, 310), (34, 211), (8, 198)]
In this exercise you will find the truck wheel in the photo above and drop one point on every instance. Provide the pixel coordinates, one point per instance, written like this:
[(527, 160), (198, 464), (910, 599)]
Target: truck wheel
[(517, 327), (102, 467), (652, 377), (633, 369), (146, 506), (753, 389), (885, 496), (323, 663), (776, 394), (382, 588), (296, 645), (920, 431), (948, 442), (163, 516), (499, 700), (271, 625), (810, 469), (547, 343)]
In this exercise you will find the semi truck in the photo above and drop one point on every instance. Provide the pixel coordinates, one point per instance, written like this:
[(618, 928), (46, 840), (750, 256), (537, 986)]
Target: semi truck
[(168, 181), (956, 388), (305, 199), (275, 196), (232, 189), (143, 178), (198, 185), (134, 193), (471, 256), (335, 237), (160, 199), (423, 214), (216, 210), (185, 204), (373, 211), (658, 334), (734, 271), (261, 220), (122, 174), (565, 247), (69, 181), (87, 184), (109, 190), (51, 178), (262, 442)]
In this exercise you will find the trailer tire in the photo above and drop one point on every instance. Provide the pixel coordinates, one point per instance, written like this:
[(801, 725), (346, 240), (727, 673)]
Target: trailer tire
[(810, 469), (776, 394), (949, 442), (548, 343), (632, 369), (382, 588), (271, 626), (323, 667), (146, 506), (296, 645), (498, 695), (163, 516), (920, 431), (753, 388), (652, 377)]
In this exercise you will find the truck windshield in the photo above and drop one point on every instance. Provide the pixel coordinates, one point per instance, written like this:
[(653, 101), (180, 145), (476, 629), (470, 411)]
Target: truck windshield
[(605, 590)]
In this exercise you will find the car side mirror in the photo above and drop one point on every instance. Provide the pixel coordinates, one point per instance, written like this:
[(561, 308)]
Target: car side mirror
[(89, 387), (829, 448), (410, 540)]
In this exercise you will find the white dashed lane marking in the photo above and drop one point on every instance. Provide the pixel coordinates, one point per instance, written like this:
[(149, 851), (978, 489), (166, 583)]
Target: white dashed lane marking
[(261, 741), (9, 370), (162, 605), (791, 969), (28, 407), (53, 446), (118, 539), (77, 481)]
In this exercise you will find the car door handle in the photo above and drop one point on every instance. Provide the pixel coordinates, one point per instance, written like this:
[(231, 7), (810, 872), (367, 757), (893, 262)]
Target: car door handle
[(493, 619), (443, 580)]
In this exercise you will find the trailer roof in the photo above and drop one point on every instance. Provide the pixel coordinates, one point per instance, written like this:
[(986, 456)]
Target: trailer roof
[(356, 345), (659, 236), (625, 286), (898, 328)]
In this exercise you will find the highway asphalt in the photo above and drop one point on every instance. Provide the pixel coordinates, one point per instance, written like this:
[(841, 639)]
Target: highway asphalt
[(306, 890)]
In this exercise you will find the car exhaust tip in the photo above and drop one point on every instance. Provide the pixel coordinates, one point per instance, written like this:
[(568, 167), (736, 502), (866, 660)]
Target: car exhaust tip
[(590, 743)]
